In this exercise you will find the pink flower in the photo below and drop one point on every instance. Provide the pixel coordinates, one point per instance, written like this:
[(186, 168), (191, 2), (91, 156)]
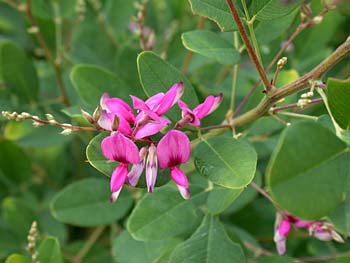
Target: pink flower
[(137, 169), (193, 117), (119, 148), (149, 120), (151, 168), (172, 150), (112, 108)]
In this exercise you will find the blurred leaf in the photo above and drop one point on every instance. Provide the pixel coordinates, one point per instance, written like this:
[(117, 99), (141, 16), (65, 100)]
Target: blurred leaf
[(49, 251), (216, 10), (92, 81), (302, 170), (17, 72), (14, 162), (211, 45), (44, 9), (86, 203), (157, 75), (226, 161), (128, 250), (275, 259), (220, 198), (163, 214), (271, 9), (96, 158), (96, 254), (338, 94), (9, 243), (209, 244), (17, 258)]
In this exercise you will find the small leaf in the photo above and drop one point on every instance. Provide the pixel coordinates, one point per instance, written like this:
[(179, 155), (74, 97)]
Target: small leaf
[(226, 161), (17, 258), (338, 94), (156, 75), (209, 244), (86, 203), (211, 45), (49, 251), (163, 214), (92, 81), (128, 250), (220, 198), (216, 10), (310, 163), (18, 73)]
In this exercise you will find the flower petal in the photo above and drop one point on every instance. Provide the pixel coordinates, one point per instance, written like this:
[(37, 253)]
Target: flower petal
[(151, 168), (121, 108), (104, 97), (210, 104), (173, 149), (185, 192), (119, 148), (179, 177), (136, 169), (284, 227), (280, 244), (105, 120), (114, 196), (118, 177), (154, 101), (170, 98), (148, 129)]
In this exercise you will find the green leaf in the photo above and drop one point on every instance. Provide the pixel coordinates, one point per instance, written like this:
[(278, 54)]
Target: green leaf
[(338, 94), (271, 9), (92, 81), (17, 258), (86, 203), (209, 244), (216, 10), (96, 158), (275, 259), (49, 251), (163, 214), (18, 73), (157, 75), (128, 250), (226, 161), (211, 45), (14, 162), (220, 198), (310, 164)]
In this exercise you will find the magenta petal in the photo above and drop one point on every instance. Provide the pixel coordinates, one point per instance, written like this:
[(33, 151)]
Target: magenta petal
[(210, 104), (170, 98), (148, 129), (139, 104), (173, 149), (302, 223), (118, 177), (119, 148), (153, 102), (179, 177), (284, 228), (151, 168), (121, 108)]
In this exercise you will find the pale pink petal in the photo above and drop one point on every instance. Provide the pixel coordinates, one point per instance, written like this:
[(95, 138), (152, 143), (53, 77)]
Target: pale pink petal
[(118, 177), (170, 98), (151, 168), (179, 177), (148, 129), (105, 121), (136, 169), (119, 148), (103, 99), (185, 192), (114, 196), (321, 234), (210, 104), (121, 108), (280, 244), (173, 149)]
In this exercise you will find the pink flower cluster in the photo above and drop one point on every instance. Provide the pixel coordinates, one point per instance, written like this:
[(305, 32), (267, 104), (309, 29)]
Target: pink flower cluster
[(172, 150), (321, 230)]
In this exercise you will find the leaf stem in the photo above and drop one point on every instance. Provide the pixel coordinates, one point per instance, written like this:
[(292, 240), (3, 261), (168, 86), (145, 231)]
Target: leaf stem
[(234, 77), (250, 49), (294, 105), (296, 115)]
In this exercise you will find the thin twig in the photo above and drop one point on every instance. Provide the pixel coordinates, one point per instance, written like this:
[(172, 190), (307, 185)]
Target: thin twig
[(249, 46), (262, 192), (189, 53), (294, 105), (297, 115), (299, 29), (322, 258)]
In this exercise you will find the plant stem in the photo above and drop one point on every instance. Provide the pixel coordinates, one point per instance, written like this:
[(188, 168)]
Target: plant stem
[(250, 49), (48, 53), (189, 53), (322, 258), (250, 24), (293, 105), (89, 243), (299, 29), (296, 115), (234, 77)]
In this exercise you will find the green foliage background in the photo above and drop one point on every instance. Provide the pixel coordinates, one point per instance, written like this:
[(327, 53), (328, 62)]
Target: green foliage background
[(45, 176)]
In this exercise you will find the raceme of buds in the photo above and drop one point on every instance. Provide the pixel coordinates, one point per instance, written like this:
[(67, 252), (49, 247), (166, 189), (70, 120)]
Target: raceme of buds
[(321, 230), (126, 127)]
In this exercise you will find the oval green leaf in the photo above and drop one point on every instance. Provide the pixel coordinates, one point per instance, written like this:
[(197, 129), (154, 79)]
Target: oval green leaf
[(86, 203), (226, 161), (17, 258), (49, 251)]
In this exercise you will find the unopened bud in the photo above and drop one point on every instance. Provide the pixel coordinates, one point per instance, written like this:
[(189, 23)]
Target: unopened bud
[(66, 131), (317, 20), (87, 116), (115, 123), (49, 117), (53, 122), (282, 61), (97, 113), (306, 10), (33, 30), (336, 236), (26, 115)]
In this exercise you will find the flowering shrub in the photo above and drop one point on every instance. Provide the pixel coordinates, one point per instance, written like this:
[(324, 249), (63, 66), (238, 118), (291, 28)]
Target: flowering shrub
[(174, 131)]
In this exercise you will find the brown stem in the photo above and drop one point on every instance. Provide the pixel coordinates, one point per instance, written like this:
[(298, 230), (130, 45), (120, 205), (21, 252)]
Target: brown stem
[(48, 53), (262, 192), (293, 105), (299, 29), (250, 49), (189, 53), (322, 258)]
